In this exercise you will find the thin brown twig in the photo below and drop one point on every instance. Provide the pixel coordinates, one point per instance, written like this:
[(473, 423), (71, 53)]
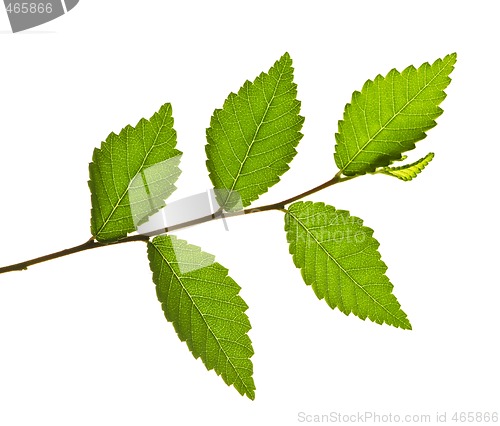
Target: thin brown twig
[(92, 243)]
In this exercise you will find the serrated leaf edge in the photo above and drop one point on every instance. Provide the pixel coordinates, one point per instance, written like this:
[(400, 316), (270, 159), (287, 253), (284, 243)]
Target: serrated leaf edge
[(209, 163), (451, 58), (248, 391), (418, 166), (399, 322), (97, 150)]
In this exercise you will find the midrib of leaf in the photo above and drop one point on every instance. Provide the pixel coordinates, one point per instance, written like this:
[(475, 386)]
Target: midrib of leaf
[(341, 268), (256, 133), (360, 150), (166, 262), (106, 221)]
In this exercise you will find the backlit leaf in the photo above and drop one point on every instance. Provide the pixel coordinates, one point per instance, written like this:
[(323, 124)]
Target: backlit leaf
[(203, 303), (132, 174), (390, 115), (338, 258), (253, 137), (409, 171)]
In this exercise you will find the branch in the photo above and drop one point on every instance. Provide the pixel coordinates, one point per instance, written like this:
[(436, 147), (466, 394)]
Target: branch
[(92, 243), (276, 206)]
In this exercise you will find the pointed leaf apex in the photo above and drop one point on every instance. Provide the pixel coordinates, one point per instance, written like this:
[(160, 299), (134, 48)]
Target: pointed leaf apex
[(203, 303), (390, 115), (131, 175), (338, 258), (252, 139), (409, 171)]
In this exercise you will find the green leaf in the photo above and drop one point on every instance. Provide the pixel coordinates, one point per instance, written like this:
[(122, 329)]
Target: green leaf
[(390, 115), (202, 302), (132, 174), (253, 137), (338, 257), (409, 171)]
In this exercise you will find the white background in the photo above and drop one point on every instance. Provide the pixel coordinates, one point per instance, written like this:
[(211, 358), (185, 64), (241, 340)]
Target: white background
[(83, 340)]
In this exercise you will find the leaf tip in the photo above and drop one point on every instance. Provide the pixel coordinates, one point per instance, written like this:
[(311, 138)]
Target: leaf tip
[(404, 323), (452, 56), (250, 395)]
